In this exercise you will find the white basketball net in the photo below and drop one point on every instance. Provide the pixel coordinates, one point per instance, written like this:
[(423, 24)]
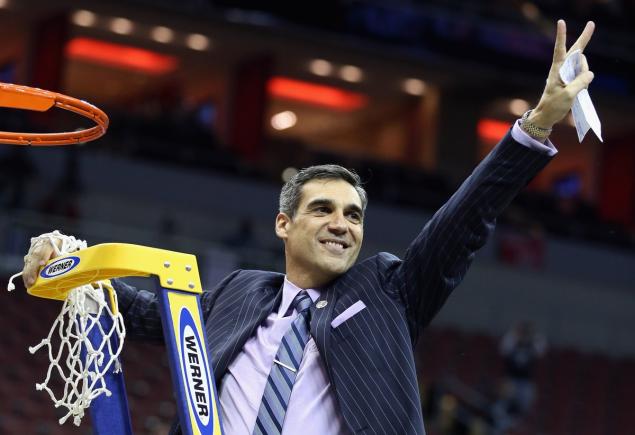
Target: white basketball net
[(81, 362)]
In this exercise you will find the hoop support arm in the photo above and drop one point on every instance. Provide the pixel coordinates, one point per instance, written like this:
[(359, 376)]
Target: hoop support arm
[(175, 270), (27, 98), (18, 98)]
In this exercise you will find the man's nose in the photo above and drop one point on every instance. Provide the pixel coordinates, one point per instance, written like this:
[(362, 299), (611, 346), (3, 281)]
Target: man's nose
[(337, 224)]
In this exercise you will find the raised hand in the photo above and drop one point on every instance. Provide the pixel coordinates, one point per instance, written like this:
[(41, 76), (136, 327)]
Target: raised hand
[(557, 98)]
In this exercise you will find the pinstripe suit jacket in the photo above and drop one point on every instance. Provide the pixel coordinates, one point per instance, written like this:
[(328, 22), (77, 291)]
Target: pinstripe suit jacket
[(369, 357)]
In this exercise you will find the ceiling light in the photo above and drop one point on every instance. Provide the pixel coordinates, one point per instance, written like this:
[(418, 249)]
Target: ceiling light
[(120, 56), (316, 94), (491, 130), (414, 86), (284, 120), (321, 67), (84, 18), (4, 3), (196, 41), (162, 34), (518, 106), (351, 73), (122, 26)]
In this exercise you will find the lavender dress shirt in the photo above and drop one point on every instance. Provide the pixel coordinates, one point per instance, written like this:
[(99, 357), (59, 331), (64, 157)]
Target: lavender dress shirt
[(312, 407)]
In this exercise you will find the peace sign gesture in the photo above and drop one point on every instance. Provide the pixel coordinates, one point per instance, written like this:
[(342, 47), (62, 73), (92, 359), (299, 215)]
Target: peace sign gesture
[(557, 98)]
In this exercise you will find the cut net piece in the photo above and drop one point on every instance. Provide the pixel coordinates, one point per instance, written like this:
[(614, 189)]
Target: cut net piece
[(84, 342)]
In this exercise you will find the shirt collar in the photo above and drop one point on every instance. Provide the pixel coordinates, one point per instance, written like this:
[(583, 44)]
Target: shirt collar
[(289, 292)]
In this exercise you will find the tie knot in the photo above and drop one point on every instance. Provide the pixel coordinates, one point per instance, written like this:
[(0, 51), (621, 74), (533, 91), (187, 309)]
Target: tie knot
[(302, 302)]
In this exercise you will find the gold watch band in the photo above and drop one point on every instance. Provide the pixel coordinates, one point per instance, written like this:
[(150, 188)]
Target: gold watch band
[(532, 130)]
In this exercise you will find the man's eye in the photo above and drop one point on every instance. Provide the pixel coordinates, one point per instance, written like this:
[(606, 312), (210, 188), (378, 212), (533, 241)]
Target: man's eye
[(322, 209), (356, 217)]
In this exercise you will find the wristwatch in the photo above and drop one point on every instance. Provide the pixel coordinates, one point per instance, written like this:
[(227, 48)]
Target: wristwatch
[(532, 130)]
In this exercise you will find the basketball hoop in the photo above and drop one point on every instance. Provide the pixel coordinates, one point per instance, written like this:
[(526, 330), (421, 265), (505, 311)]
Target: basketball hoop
[(24, 97)]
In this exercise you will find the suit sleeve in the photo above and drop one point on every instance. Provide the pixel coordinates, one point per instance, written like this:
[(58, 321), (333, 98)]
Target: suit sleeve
[(141, 312), (437, 260)]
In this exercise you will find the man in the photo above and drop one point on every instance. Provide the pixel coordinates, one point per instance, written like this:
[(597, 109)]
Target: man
[(520, 348), (328, 347)]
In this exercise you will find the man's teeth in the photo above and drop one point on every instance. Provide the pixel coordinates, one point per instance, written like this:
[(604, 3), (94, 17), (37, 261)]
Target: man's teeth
[(338, 245)]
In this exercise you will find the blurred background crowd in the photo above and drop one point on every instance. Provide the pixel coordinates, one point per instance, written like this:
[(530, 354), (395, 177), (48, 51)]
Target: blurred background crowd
[(213, 104)]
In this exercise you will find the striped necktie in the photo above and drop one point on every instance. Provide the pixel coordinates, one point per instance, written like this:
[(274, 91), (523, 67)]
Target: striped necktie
[(284, 370)]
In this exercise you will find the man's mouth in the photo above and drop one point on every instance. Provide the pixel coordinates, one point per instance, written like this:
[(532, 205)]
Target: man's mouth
[(334, 246)]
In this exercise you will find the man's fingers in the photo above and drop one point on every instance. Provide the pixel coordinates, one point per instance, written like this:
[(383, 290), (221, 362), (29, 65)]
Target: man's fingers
[(584, 37), (582, 81), (560, 47), (29, 273), (34, 261), (584, 65)]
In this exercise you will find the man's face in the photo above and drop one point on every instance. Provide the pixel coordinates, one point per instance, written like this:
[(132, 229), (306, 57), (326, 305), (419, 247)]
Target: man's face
[(324, 237)]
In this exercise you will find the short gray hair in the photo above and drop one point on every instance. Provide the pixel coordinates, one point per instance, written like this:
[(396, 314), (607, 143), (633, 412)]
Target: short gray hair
[(291, 192)]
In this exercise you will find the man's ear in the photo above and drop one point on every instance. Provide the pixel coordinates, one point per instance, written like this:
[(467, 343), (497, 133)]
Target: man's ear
[(282, 225)]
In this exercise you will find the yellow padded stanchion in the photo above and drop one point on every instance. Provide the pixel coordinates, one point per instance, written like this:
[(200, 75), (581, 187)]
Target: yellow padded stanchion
[(175, 270)]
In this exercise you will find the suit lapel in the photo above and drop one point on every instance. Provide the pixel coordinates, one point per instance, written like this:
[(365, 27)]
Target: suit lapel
[(232, 323), (321, 315)]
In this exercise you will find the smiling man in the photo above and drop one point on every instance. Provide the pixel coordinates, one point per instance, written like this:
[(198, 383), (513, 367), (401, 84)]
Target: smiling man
[(321, 221), (327, 348)]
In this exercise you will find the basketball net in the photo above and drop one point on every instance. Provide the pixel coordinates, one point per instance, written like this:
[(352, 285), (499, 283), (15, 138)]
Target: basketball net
[(88, 346)]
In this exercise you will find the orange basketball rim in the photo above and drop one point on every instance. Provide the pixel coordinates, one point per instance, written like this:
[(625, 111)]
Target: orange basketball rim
[(24, 97)]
